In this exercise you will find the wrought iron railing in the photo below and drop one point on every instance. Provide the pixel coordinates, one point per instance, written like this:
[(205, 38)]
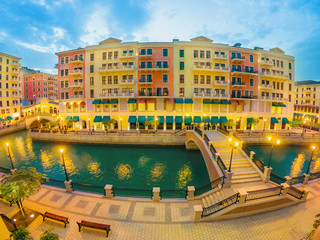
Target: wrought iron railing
[(206, 139), (263, 193), (276, 178), (54, 182), (221, 164), (220, 205), (296, 180), (246, 150), (127, 192), (295, 192), (180, 193), (259, 163), (223, 131), (212, 185), (314, 175), (198, 131), (212, 149), (5, 170), (88, 188)]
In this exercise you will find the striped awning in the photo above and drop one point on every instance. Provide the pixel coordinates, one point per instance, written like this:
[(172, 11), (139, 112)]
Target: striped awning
[(249, 120), (233, 102), (113, 101), (274, 120), (161, 119), (104, 101), (241, 103), (131, 100), (151, 101), (215, 101), (150, 118), (96, 101), (68, 118), (285, 120), (141, 101), (225, 102), (76, 118), (207, 101), (188, 101), (206, 119), (170, 100), (105, 118), (178, 100), (223, 119)]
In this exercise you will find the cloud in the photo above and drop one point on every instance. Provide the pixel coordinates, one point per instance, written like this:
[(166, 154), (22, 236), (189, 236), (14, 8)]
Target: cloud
[(3, 36), (58, 32), (51, 48), (41, 3), (52, 71)]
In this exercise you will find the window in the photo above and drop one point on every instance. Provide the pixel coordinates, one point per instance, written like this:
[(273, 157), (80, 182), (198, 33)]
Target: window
[(290, 87), (115, 55), (143, 65), (195, 53), (181, 92), (208, 79), (92, 81), (91, 68), (62, 60), (181, 66), (195, 79), (181, 78), (289, 65), (115, 79), (91, 93), (251, 58), (103, 80), (208, 54), (281, 86), (289, 97), (109, 55), (251, 81), (201, 54), (181, 53), (62, 72), (165, 52), (149, 51), (143, 52), (149, 64), (66, 71), (290, 76), (91, 57), (164, 78), (110, 80), (104, 56)]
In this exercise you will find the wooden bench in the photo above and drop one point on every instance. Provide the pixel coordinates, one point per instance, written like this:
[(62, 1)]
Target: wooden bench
[(94, 225), (55, 217), (142, 131), (10, 202)]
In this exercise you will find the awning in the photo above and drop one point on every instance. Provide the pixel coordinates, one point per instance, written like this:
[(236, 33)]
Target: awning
[(132, 119), (96, 101), (75, 104), (97, 119), (206, 119), (141, 101), (105, 101), (197, 119), (178, 100), (76, 118), (141, 119), (215, 119), (223, 119), (275, 105), (285, 120), (241, 103), (225, 102), (68, 104), (282, 105), (161, 119), (169, 119), (207, 101), (9, 118), (151, 101), (295, 114), (82, 103), (234, 102), (170, 100), (178, 119), (132, 100), (188, 101), (113, 101), (150, 118), (274, 120), (68, 118), (188, 119), (215, 101), (249, 120), (105, 118)]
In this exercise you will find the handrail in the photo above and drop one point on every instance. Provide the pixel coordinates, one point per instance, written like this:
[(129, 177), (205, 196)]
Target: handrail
[(314, 175), (198, 131), (276, 178), (212, 185), (182, 193), (128, 192), (295, 192), (88, 187), (218, 159), (5, 170), (298, 179), (206, 139), (220, 205), (263, 193)]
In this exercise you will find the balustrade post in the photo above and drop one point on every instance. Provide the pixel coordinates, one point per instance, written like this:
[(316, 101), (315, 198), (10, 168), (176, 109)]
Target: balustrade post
[(306, 178), (156, 194), (197, 212), (108, 191), (285, 188), (287, 179), (252, 153), (243, 196), (305, 195), (191, 190), (68, 185), (266, 174), (227, 181)]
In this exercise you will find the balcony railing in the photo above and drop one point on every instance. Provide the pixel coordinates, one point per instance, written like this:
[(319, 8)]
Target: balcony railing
[(245, 97), (265, 97), (78, 84), (221, 83), (116, 68), (127, 55), (271, 74), (221, 95), (76, 96), (128, 81), (146, 94), (237, 58), (245, 71), (264, 62), (145, 81), (118, 94), (219, 56), (76, 72), (212, 68), (238, 84), (154, 67), (76, 60), (268, 86)]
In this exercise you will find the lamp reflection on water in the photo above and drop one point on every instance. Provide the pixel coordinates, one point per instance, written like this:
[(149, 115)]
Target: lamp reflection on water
[(94, 169), (124, 171), (184, 176), (157, 172), (297, 165)]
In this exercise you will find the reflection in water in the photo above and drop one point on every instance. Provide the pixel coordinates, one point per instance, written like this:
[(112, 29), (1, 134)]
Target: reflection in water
[(143, 160), (184, 176), (124, 171), (94, 169), (20, 145), (29, 147), (45, 159), (156, 173), (315, 165), (71, 168), (297, 165)]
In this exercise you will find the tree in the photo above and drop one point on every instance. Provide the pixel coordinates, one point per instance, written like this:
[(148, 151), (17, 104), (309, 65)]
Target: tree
[(228, 124), (51, 124), (20, 184), (255, 121), (107, 123), (70, 122), (295, 122), (21, 233), (316, 224), (149, 124), (49, 235)]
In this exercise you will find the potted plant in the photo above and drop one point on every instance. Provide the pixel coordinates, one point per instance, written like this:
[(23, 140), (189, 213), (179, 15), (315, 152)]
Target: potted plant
[(315, 233), (49, 235), (21, 233)]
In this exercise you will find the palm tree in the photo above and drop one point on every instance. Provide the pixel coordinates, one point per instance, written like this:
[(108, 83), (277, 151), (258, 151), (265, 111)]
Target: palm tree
[(51, 124), (107, 123)]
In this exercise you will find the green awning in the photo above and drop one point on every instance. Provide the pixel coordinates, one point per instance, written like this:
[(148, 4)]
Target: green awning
[(161, 119), (178, 119), (275, 105), (9, 118), (223, 119), (141, 119), (295, 114), (132, 119), (197, 119), (150, 118), (97, 119), (96, 101), (68, 118), (178, 100), (169, 119), (106, 101), (105, 118), (188, 101), (282, 105), (1, 120), (188, 119), (216, 101), (207, 101), (285, 120), (76, 118), (215, 120), (113, 101), (132, 100), (206, 119), (274, 120), (249, 120), (225, 102)]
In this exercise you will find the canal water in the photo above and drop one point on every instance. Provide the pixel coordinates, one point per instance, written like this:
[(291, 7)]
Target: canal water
[(132, 167), (288, 160)]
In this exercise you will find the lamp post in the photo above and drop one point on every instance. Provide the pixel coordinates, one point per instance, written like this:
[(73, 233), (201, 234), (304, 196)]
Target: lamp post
[(272, 146), (233, 146), (121, 124), (264, 123), (64, 165), (313, 148), (9, 155), (156, 123), (38, 122), (89, 124)]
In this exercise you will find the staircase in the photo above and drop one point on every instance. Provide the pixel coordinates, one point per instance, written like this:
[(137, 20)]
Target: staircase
[(216, 197), (242, 170)]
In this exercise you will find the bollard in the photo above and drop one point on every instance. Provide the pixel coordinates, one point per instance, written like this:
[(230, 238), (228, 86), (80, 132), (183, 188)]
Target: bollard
[(287, 179), (108, 191), (156, 194), (243, 196), (227, 181), (197, 213), (285, 188), (252, 153), (68, 185), (191, 190), (266, 174), (306, 178)]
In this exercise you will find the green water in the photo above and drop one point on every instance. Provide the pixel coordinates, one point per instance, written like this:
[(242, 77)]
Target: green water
[(288, 160), (122, 166)]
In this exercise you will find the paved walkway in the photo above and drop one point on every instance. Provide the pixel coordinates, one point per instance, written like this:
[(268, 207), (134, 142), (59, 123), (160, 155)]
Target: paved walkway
[(132, 219)]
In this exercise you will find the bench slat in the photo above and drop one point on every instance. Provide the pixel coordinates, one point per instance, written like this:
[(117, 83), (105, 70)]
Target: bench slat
[(95, 225)]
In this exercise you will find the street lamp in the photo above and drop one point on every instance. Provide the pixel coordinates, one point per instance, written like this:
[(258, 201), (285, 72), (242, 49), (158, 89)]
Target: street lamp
[(313, 148), (121, 124), (233, 146), (9, 155), (38, 122), (64, 164), (272, 146), (156, 123)]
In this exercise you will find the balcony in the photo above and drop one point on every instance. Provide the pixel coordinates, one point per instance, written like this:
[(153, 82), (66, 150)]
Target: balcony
[(278, 99), (275, 75), (145, 81), (243, 97), (76, 96), (128, 81), (220, 57), (56, 65), (266, 86), (243, 72), (237, 84), (223, 83), (116, 68), (266, 63), (16, 64), (51, 85), (210, 68), (15, 72), (145, 55), (118, 94), (76, 72), (76, 84), (128, 55), (16, 95), (266, 98), (15, 88), (76, 60), (147, 94), (154, 68), (211, 95), (236, 59)]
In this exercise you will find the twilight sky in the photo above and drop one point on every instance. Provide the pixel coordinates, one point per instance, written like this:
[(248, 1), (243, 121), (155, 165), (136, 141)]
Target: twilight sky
[(35, 29)]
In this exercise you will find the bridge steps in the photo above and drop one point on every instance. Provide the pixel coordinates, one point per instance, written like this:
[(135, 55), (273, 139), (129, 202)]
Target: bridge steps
[(216, 197)]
